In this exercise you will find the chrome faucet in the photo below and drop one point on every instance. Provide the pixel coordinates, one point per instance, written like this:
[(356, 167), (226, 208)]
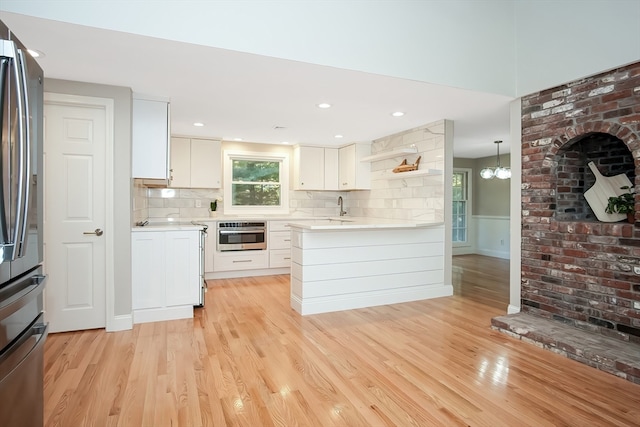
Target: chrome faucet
[(342, 211)]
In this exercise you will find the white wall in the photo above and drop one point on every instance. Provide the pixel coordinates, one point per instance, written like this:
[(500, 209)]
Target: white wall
[(564, 40), (492, 236), (437, 41), (511, 47)]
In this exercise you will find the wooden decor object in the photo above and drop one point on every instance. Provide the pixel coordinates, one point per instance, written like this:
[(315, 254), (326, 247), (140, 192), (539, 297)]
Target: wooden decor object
[(404, 167), (605, 187)]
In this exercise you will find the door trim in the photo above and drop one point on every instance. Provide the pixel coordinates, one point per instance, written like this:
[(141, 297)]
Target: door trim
[(111, 322)]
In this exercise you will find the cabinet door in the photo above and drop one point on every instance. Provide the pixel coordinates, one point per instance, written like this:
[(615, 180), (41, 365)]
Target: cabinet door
[(347, 172), (182, 266), (331, 169), (147, 279), (150, 139), (205, 163), (308, 168), (354, 174), (180, 163)]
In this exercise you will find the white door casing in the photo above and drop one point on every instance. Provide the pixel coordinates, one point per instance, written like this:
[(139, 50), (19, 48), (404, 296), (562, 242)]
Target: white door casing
[(78, 191)]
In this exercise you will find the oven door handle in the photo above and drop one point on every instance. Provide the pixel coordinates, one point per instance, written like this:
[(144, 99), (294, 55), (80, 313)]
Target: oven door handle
[(241, 231)]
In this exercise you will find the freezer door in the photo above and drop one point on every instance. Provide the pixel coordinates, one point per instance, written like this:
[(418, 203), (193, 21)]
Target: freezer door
[(21, 379), (21, 301)]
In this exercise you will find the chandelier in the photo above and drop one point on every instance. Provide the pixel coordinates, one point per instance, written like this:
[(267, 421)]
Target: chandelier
[(499, 172)]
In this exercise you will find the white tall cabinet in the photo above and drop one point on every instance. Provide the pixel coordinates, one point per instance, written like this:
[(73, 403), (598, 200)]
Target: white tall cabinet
[(150, 139), (195, 163)]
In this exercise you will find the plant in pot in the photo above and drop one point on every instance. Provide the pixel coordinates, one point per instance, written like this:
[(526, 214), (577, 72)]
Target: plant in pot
[(214, 206), (623, 204)]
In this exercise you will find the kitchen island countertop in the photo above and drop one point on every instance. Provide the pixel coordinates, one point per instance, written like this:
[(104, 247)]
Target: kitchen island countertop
[(358, 223)]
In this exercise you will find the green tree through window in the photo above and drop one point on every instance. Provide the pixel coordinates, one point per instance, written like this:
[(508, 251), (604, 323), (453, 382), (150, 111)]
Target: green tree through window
[(460, 225), (255, 182)]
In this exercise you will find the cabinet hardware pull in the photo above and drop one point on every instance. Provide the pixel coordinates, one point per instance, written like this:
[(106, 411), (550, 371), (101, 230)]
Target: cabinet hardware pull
[(242, 260)]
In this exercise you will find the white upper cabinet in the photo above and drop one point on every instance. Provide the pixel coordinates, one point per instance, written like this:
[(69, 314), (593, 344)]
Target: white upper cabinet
[(315, 168), (150, 139), (354, 174), (180, 163), (206, 163), (331, 169), (308, 168), (195, 163)]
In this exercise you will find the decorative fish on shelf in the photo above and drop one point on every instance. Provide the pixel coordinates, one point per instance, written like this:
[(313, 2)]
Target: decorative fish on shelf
[(404, 167)]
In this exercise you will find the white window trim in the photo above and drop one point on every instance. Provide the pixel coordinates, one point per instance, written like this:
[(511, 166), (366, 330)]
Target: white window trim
[(283, 208), (469, 172)]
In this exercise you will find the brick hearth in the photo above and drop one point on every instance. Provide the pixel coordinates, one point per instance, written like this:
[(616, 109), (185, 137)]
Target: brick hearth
[(607, 354)]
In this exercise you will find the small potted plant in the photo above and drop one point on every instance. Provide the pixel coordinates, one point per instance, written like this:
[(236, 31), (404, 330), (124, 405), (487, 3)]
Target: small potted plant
[(623, 204), (214, 207)]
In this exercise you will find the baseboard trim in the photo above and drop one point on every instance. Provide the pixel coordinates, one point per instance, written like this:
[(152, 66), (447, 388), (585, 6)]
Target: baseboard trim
[(120, 323)]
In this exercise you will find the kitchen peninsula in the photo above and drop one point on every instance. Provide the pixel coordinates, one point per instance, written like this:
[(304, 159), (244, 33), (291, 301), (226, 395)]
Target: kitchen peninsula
[(346, 263)]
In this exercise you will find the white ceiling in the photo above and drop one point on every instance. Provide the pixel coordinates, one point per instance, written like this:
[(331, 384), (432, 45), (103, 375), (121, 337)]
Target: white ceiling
[(241, 95)]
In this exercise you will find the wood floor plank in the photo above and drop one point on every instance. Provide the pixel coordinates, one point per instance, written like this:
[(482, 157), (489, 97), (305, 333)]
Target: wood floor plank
[(248, 359)]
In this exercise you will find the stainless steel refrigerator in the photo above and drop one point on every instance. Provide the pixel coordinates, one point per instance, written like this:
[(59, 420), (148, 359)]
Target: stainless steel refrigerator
[(22, 327)]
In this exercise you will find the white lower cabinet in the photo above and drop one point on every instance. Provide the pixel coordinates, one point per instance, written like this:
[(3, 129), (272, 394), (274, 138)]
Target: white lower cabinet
[(165, 273), (279, 244), (240, 260)]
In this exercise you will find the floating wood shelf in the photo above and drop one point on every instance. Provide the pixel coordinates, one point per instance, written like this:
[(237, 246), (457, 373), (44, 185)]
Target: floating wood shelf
[(410, 174), (390, 154)]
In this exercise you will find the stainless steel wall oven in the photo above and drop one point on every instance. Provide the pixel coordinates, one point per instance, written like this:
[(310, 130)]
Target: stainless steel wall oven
[(241, 236)]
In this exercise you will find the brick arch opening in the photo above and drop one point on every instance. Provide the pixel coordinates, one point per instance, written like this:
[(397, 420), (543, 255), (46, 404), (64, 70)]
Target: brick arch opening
[(572, 175)]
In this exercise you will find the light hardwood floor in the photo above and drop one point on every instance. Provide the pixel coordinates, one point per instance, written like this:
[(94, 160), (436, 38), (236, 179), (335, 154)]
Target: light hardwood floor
[(247, 359)]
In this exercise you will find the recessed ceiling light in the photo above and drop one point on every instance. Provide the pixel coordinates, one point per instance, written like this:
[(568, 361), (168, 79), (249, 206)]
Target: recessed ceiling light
[(237, 139), (397, 114), (338, 136), (285, 142), (35, 53), (324, 105), (198, 124)]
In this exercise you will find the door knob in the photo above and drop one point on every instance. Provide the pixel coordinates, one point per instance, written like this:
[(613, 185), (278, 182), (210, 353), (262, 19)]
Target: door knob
[(97, 232)]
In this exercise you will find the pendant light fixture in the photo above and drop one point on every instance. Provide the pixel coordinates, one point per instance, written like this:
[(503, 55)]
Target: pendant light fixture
[(499, 172)]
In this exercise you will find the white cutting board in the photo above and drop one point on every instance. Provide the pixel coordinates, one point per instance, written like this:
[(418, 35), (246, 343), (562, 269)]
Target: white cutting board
[(598, 195)]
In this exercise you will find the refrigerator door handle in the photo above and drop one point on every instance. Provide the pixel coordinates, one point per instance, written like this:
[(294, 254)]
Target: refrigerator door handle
[(22, 219), (21, 294), (5, 244), (9, 50)]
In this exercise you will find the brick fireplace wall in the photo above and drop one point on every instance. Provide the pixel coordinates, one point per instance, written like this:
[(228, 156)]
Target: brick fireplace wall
[(575, 269)]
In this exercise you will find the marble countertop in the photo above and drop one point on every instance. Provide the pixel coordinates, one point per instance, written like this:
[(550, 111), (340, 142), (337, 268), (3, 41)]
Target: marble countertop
[(181, 225), (359, 223), (308, 223)]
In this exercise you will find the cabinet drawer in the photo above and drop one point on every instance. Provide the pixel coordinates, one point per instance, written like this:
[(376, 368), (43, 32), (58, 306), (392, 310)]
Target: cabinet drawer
[(279, 258), (279, 225), (280, 240), (243, 260)]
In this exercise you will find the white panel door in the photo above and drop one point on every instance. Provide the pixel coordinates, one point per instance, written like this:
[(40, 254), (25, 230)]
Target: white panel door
[(75, 248)]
